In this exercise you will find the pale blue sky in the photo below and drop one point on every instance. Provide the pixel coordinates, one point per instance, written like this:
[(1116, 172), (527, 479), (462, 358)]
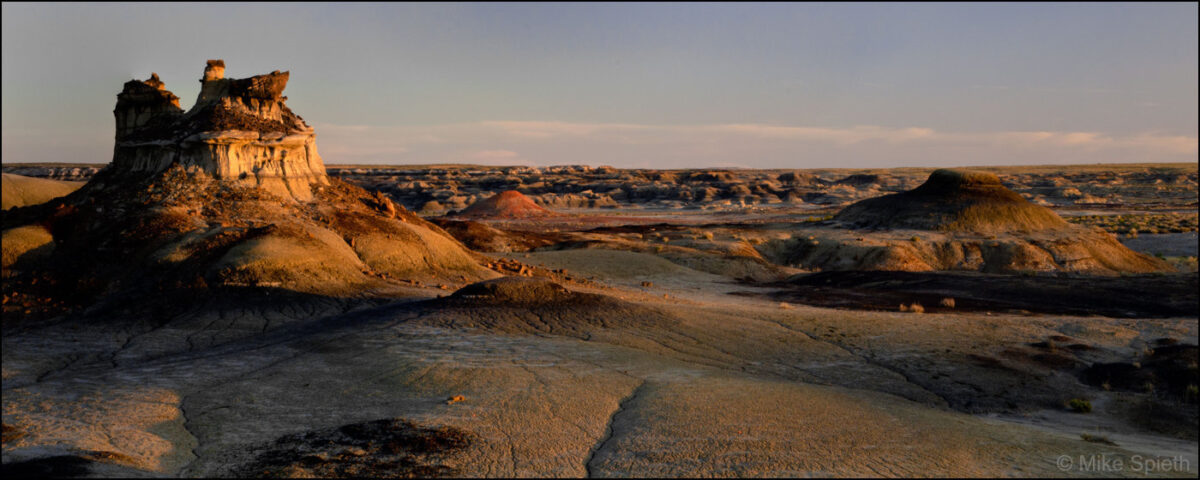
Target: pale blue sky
[(637, 85)]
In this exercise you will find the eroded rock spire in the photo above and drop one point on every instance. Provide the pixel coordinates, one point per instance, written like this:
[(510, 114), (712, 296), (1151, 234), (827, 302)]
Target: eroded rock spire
[(238, 130)]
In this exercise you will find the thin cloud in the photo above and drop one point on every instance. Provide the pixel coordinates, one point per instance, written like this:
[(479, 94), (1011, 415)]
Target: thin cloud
[(762, 145)]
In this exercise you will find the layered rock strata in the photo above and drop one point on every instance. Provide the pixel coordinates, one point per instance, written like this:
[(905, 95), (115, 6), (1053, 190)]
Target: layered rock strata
[(239, 130)]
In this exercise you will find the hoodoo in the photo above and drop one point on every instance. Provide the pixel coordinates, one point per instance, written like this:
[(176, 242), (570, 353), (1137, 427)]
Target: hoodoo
[(230, 193), (238, 130)]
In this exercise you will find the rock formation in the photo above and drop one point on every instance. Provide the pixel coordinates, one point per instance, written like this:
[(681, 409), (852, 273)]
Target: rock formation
[(953, 200), (229, 194), (960, 220), (239, 130)]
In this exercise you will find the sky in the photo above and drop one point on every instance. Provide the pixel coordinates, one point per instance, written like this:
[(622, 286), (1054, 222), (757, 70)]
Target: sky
[(637, 85)]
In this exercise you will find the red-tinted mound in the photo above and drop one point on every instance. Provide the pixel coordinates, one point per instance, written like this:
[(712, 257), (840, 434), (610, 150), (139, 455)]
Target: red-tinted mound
[(510, 204)]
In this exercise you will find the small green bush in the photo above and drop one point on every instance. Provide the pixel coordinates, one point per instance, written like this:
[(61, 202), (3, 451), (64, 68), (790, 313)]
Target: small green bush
[(1079, 405)]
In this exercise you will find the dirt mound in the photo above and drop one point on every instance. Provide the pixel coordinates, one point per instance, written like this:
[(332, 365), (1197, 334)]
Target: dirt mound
[(523, 305), (184, 229), (20, 191), (859, 180), (514, 290), (1073, 249), (484, 238), (953, 200), (31, 240), (510, 204), (960, 220)]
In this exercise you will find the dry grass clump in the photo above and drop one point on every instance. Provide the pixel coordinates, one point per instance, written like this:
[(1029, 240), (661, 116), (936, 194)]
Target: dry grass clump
[(1087, 437), (1079, 405), (912, 308), (947, 302)]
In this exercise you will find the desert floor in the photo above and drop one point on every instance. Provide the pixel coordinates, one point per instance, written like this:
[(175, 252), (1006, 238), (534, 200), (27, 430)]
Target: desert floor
[(705, 382)]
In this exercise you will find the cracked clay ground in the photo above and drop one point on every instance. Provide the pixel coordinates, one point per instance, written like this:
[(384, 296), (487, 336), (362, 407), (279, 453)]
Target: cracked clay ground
[(710, 385)]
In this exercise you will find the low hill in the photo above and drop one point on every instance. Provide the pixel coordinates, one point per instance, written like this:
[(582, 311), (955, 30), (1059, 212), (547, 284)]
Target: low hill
[(505, 205), (20, 191), (959, 220), (953, 201)]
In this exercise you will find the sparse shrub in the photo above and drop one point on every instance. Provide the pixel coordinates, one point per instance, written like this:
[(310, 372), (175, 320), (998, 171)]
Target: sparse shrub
[(1087, 437), (1191, 393), (1079, 405), (913, 308), (915, 238), (947, 302), (708, 235)]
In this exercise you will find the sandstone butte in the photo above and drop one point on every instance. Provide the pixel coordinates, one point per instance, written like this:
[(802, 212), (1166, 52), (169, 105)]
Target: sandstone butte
[(229, 193), (239, 129)]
